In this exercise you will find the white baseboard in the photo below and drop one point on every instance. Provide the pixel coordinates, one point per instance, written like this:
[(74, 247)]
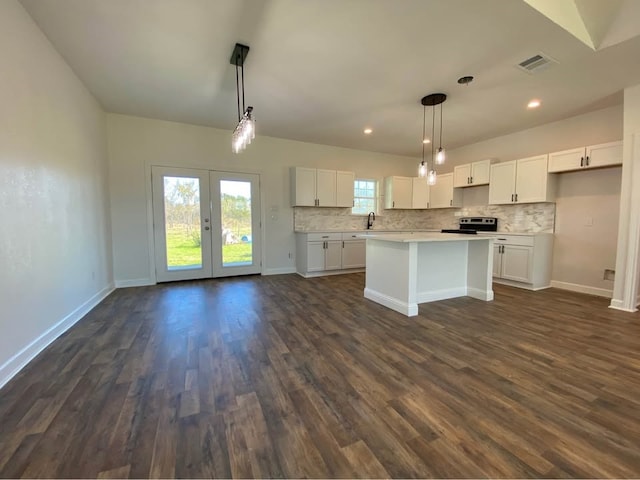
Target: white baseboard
[(575, 287), (486, 295), (279, 271), (524, 286), (326, 273), (16, 363), (619, 305), (410, 310), (444, 294), (136, 282)]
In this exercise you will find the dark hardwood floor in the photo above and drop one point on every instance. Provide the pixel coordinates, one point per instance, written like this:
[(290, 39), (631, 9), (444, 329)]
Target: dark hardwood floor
[(290, 377)]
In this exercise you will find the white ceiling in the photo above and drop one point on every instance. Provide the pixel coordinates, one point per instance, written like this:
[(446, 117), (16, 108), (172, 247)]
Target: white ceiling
[(321, 70)]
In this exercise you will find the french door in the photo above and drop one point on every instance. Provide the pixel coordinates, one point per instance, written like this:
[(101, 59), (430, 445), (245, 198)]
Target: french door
[(206, 223)]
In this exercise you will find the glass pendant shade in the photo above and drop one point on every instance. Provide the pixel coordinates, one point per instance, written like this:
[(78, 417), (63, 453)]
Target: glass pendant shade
[(431, 178), (440, 156), (244, 132), (422, 169)]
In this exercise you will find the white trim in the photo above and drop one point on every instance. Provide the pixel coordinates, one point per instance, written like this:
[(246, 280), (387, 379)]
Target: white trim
[(526, 286), (326, 273), (278, 271), (619, 305), (576, 287), (16, 363), (135, 282), (443, 294), (486, 295), (410, 310)]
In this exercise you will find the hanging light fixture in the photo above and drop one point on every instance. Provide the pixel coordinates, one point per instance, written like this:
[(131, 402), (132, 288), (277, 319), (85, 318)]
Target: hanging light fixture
[(246, 129), (440, 156), (422, 167), (432, 100)]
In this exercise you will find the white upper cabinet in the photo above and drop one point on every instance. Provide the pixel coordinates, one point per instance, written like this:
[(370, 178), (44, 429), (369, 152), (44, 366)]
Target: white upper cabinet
[(303, 187), (602, 155), (344, 188), (472, 174), (521, 181), (461, 175), (420, 193), (398, 192), (503, 182), (311, 187), (443, 195), (326, 188)]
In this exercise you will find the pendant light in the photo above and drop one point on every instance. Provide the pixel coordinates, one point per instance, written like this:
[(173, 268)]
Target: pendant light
[(440, 157), (422, 167), (432, 100), (245, 131)]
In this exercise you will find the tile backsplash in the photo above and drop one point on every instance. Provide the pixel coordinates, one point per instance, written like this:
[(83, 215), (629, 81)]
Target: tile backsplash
[(526, 217)]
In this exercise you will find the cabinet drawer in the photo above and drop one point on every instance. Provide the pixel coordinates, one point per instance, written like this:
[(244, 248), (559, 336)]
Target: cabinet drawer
[(352, 235), (320, 237), (525, 240)]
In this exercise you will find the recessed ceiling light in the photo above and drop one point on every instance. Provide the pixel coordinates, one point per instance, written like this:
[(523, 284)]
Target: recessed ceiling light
[(426, 140), (367, 131), (535, 103)]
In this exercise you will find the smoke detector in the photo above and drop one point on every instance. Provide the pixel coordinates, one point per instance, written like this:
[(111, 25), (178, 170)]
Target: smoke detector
[(536, 64)]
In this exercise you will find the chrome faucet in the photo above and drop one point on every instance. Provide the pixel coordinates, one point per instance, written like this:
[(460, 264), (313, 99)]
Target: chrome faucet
[(370, 218)]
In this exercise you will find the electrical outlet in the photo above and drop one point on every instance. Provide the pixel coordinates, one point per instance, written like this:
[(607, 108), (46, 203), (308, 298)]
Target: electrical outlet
[(609, 274)]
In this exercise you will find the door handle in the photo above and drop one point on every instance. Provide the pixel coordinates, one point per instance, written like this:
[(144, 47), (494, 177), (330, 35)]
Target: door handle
[(582, 161), (512, 197), (451, 203), (207, 228), (471, 180), (206, 220), (468, 180), (393, 204), (587, 161), (516, 197)]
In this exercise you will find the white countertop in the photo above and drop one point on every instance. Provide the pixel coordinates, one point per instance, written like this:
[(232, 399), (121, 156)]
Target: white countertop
[(429, 230), (423, 237)]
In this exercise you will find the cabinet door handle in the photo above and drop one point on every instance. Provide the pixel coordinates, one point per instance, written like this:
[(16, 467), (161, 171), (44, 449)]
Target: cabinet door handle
[(343, 244), (451, 203), (587, 161), (516, 197), (325, 236), (393, 204), (502, 239), (471, 180), (582, 161), (468, 181), (512, 195)]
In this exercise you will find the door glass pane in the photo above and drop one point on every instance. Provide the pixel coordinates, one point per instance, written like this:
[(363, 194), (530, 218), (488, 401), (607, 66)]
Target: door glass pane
[(182, 222), (235, 211)]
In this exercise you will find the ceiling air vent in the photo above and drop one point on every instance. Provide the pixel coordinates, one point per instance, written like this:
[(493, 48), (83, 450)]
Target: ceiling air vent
[(537, 63)]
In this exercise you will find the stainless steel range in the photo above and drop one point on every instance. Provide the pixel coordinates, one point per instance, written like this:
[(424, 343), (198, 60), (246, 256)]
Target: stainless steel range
[(473, 225)]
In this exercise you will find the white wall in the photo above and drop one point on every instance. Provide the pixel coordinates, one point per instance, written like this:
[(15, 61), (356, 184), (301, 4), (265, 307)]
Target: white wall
[(54, 225), (581, 253), (136, 143), (628, 251)]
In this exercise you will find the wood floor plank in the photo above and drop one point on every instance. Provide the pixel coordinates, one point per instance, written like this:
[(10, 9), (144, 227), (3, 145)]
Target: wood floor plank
[(280, 376)]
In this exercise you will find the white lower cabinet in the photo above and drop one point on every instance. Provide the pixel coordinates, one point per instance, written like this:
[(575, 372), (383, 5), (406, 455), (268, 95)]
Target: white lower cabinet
[(329, 253), (523, 260)]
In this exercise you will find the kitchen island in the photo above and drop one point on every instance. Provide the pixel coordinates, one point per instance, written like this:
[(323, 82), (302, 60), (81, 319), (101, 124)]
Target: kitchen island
[(405, 269)]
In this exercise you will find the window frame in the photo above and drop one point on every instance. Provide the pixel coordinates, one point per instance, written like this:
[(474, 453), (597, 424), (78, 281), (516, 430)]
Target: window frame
[(375, 197)]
